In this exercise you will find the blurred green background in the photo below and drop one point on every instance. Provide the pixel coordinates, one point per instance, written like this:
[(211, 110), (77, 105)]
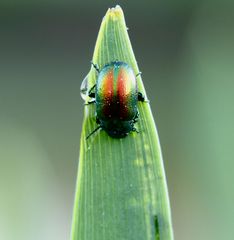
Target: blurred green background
[(185, 50)]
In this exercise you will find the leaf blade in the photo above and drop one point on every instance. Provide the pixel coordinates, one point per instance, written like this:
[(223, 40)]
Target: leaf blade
[(121, 186)]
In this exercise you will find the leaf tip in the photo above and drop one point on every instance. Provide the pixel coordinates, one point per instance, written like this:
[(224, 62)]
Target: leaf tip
[(114, 13)]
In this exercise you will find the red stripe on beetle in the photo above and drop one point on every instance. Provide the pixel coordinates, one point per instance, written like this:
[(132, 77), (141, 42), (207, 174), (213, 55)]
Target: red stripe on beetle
[(108, 93), (122, 93)]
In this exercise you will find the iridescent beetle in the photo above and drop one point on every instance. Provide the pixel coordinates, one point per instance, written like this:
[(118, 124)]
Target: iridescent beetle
[(115, 95)]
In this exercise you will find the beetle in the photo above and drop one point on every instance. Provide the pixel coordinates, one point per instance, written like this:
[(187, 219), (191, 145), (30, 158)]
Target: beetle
[(115, 95)]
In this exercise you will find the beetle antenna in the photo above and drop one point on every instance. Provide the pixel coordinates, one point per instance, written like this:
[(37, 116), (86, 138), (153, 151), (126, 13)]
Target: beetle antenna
[(95, 130), (95, 66)]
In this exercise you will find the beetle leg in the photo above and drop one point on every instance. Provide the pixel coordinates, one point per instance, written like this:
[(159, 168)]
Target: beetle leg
[(135, 130), (92, 94), (95, 66), (97, 120), (141, 97), (136, 117), (90, 102)]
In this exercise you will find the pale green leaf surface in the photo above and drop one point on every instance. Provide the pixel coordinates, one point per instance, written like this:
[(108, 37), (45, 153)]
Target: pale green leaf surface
[(121, 187)]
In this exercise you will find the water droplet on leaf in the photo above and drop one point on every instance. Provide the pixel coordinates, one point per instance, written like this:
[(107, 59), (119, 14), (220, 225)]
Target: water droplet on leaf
[(84, 88)]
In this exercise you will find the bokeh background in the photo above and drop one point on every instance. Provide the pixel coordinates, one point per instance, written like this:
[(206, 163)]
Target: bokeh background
[(185, 50)]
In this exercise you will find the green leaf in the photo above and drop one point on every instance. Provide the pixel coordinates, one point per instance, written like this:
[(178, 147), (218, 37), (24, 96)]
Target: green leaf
[(121, 187)]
